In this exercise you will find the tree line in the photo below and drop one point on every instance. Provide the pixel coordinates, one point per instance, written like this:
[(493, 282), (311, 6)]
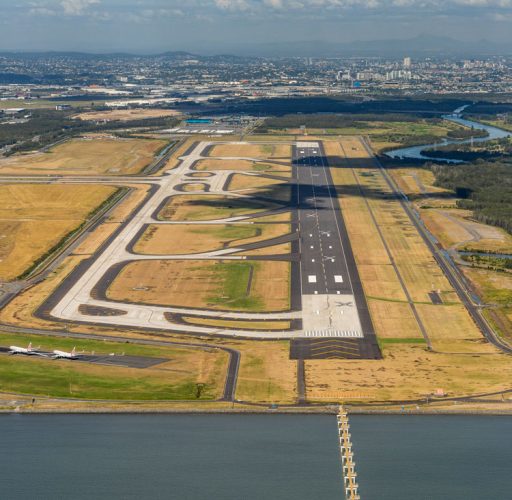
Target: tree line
[(483, 187)]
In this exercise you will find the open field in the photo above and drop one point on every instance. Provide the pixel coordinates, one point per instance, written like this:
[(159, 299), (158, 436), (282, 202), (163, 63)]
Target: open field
[(174, 379), (266, 373), (244, 150), (125, 115), (42, 103), (407, 371), (225, 285), (495, 289), (388, 249), (453, 227), (283, 249), (194, 187), (243, 165), (240, 181), (186, 239), (242, 325), (209, 207), (383, 134), (500, 123), (96, 154), (35, 217)]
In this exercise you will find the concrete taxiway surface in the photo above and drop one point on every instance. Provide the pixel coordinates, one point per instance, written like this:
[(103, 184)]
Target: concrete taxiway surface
[(326, 292)]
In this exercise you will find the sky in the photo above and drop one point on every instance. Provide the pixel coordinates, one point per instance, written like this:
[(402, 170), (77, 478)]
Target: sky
[(221, 26)]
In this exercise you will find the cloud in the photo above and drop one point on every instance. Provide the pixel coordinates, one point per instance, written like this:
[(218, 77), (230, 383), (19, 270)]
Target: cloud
[(77, 7), (233, 4)]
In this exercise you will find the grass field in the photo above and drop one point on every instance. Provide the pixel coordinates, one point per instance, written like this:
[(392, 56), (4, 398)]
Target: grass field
[(96, 154), (194, 187), (243, 165), (246, 150), (383, 135), (175, 379), (35, 217), (42, 103), (186, 239), (209, 207), (368, 208), (224, 285), (266, 373), (240, 182), (234, 324), (126, 114), (495, 289), (408, 371)]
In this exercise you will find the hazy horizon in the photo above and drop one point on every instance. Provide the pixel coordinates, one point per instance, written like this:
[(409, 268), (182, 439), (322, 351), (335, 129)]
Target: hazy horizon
[(220, 26)]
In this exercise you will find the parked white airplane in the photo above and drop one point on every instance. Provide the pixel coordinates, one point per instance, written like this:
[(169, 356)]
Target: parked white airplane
[(66, 355), (27, 351)]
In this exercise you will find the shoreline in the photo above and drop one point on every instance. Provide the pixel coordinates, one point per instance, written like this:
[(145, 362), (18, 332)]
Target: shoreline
[(320, 410)]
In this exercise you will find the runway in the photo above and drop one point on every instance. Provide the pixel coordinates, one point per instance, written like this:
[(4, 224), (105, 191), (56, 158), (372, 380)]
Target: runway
[(333, 301)]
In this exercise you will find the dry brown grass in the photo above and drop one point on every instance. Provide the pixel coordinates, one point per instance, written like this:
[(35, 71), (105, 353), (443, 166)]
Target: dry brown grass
[(224, 285), (174, 160), (125, 115), (197, 238), (283, 249), (448, 326), (34, 218), (266, 373), (245, 150), (208, 207), (407, 371), (239, 181), (102, 232), (242, 325), (191, 187), (95, 155), (243, 165), (393, 320)]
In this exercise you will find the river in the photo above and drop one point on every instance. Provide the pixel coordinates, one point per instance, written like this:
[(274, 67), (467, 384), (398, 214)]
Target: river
[(252, 457), (415, 152)]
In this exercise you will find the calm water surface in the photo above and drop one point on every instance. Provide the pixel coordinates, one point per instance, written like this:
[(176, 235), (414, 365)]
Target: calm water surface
[(415, 152), (252, 457)]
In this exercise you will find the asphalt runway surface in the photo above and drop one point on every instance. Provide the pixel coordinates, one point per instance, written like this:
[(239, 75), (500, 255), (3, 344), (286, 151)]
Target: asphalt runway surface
[(333, 302)]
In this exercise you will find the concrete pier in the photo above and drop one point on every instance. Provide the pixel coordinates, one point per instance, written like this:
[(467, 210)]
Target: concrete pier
[(347, 456)]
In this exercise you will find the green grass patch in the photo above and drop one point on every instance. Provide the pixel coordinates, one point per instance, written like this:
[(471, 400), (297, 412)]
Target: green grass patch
[(49, 343), (74, 380), (233, 278), (401, 341), (229, 233)]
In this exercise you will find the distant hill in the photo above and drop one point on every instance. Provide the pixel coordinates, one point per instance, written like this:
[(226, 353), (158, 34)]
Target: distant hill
[(419, 46)]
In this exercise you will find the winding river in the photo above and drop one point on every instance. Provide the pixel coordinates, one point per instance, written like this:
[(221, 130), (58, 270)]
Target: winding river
[(415, 152)]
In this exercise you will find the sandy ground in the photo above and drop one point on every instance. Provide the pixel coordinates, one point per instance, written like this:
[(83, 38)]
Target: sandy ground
[(125, 115)]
